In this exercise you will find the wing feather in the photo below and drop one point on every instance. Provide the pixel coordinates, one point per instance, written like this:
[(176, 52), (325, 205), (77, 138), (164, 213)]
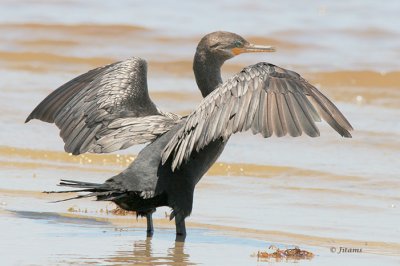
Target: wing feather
[(291, 118), (307, 121), (252, 111), (263, 117), (85, 109), (51, 105), (240, 117), (264, 98), (278, 127)]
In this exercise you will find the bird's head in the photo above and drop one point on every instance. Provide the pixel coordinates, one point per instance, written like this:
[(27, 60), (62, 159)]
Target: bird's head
[(224, 45)]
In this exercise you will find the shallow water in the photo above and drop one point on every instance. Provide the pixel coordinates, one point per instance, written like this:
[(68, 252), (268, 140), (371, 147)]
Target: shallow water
[(312, 193)]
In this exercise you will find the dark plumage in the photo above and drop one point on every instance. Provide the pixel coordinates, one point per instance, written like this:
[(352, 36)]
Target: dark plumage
[(109, 109)]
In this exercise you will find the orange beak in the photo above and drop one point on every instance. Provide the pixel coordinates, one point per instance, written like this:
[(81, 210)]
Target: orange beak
[(252, 48)]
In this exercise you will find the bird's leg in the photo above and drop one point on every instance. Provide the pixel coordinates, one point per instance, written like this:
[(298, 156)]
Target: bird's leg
[(150, 228), (180, 228)]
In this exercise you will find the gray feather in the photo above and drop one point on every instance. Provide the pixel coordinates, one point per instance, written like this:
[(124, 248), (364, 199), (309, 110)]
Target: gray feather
[(88, 109), (263, 97)]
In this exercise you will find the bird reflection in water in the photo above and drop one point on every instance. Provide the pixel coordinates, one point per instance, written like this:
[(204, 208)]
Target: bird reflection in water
[(143, 253)]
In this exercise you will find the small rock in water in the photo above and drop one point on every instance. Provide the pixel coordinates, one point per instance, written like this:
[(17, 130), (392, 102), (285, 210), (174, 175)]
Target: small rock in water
[(121, 212), (285, 254)]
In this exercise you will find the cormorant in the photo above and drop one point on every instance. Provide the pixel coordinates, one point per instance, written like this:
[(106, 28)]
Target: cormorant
[(109, 109)]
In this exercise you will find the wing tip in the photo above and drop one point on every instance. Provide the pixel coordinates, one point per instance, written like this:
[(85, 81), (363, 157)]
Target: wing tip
[(31, 116), (165, 158), (41, 116), (346, 135)]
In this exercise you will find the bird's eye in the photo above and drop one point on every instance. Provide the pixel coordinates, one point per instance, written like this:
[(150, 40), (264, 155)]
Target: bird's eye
[(238, 44)]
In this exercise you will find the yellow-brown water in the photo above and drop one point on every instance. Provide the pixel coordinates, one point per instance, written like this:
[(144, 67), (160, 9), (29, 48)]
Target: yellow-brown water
[(319, 194)]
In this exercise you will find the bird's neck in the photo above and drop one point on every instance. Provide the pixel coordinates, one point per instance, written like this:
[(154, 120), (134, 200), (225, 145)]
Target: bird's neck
[(207, 70)]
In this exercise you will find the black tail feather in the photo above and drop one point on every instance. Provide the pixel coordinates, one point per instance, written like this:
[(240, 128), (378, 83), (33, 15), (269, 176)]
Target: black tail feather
[(93, 194), (79, 184), (101, 191), (69, 191)]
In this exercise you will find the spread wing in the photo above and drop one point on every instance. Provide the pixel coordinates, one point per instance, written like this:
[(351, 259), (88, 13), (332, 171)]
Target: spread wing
[(105, 109), (264, 98)]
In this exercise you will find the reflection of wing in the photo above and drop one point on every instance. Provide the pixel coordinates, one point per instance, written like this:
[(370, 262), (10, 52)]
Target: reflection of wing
[(266, 98), (105, 109)]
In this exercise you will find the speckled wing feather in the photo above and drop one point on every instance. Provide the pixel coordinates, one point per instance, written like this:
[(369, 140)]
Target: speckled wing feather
[(264, 98), (125, 132), (105, 109)]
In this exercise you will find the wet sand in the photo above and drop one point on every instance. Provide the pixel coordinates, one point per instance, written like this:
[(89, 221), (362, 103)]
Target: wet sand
[(319, 194)]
